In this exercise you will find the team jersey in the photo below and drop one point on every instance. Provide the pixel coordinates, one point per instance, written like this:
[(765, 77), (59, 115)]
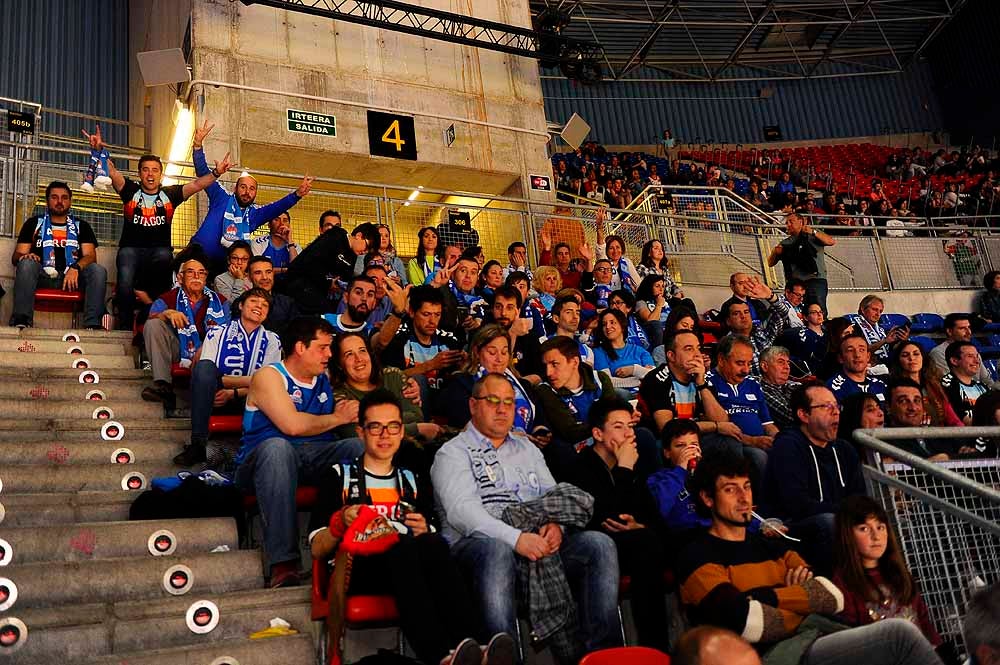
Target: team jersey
[(962, 396), (842, 386), (280, 256), (337, 321), (744, 402), (405, 351), (661, 391)]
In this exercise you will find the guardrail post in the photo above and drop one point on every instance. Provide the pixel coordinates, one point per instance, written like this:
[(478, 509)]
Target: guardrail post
[(883, 270)]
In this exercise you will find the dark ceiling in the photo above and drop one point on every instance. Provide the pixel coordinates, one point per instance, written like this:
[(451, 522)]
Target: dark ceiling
[(717, 40)]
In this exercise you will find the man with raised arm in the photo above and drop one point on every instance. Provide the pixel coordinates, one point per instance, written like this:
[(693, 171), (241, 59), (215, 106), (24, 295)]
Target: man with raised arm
[(145, 246), (234, 216)]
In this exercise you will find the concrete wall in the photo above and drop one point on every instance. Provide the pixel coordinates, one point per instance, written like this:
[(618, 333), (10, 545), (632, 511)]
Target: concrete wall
[(290, 51)]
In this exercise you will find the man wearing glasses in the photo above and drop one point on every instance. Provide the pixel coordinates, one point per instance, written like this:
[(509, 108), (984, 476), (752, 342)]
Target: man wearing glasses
[(178, 321), (809, 471), (477, 477)]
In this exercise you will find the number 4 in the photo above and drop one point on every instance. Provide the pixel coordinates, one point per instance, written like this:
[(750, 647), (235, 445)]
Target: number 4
[(392, 136)]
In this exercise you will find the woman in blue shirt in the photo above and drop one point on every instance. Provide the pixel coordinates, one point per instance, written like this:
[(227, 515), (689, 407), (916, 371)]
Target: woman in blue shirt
[(626, 363)]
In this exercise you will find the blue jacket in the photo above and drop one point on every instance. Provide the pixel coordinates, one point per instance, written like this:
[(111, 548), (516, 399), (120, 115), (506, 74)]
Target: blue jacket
[(209, 234)]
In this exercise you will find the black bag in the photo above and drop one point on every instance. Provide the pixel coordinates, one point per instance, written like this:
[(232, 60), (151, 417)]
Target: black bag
[(192, 498)]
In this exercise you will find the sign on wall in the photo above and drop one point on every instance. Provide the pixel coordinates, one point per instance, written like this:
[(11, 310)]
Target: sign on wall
[(21, 122), (307, 122), (391, 135)]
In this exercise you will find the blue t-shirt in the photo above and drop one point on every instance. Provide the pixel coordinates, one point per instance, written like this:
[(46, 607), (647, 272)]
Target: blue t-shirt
[(635, 334), (632, 354), (280, 256), (842, 386), (336, 320), (744, 402), (315, 399)]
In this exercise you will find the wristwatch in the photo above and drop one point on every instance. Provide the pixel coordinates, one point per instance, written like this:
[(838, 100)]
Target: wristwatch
[(701, 386)]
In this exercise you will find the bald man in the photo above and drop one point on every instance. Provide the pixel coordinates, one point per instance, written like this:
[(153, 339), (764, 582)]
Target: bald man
[(708, 645)]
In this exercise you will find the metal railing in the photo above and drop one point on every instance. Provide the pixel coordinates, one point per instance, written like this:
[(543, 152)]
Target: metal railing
[(947, 516), (708, 232)]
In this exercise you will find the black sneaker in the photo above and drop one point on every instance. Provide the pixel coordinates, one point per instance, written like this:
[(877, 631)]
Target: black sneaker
[(193, 453), (20, 322), (159, 391)]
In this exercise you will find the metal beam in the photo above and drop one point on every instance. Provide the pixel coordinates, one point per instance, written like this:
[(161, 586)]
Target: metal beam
[(933, 32), (646, 43), (436, 24), (735, 54), (840, 33)]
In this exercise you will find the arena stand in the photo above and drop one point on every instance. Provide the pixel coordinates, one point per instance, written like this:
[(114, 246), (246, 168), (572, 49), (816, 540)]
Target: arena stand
[(64, 506)]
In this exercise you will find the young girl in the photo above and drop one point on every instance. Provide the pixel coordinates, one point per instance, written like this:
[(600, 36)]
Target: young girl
[(870, 570)]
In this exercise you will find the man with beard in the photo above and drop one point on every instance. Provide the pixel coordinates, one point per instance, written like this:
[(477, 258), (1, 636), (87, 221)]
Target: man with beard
[(56, 250), (360, 299), (260, 272), (233, 217), (220, 376)]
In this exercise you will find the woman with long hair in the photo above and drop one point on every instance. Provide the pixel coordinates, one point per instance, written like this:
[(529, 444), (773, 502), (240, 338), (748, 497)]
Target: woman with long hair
[(859, 411), (909, 361), (989, 301), (870, 571), (384, 256), (626, 363), (355, 372), (429, 258), (490, 278)]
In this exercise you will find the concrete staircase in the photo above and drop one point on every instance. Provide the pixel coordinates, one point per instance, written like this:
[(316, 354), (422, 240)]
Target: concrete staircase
[(78, 582)]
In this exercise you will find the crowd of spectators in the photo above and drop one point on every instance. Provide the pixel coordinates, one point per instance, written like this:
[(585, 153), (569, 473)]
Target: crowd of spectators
[(527, 433)]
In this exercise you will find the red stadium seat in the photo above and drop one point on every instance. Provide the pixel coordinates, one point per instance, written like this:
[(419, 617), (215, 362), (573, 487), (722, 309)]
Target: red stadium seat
[(57, 300), (626, 656), (225, 424)]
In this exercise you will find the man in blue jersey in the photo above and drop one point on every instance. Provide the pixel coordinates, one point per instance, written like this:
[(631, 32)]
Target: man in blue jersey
[(288, 437), (853, 377), (234, 216), (277, 245)]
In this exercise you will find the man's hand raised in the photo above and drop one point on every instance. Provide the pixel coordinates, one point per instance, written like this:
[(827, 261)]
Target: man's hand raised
[(96, 142), (200, 133), (305, 186)]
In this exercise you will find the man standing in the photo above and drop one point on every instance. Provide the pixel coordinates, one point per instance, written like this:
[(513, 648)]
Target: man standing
[(282, 309), (489, 470), (178, 322), (958, 328), (145, 246), (328, 259), (853, 376), (59, 251), (277, 244), (287, 438), (228, 357), (234, 216), (360, 299), (803, 256), (960, 384)]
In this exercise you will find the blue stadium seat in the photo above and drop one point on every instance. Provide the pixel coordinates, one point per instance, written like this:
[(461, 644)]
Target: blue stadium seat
[(992, 327), (925, 343), (926, 322), (991, 366), (890, 321)]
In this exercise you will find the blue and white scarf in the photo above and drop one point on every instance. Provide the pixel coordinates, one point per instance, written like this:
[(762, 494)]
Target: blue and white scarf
[(235, 222), (190, 340), (240, 353), (430, 267), (97, 171), (622, 275), (44, 231), (524, 410), (475, 302)]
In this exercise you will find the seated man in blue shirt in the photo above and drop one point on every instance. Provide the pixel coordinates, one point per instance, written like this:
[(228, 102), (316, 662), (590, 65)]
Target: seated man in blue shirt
[(277, 245), (853, 376), (487, 469), (288, 438)]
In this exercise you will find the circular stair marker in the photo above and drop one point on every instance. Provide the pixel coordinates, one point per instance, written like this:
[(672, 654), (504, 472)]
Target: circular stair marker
[(162, 543), (90, 376), (112, 431), (3, 513), (202, 617), (133, 481), (13, 635), (225, 660), (103, 413), (123, 456), (96, 395), (80, 363), (75, 350), (8, 594), (178, 580), (1, 485), (6, 552), (71, 337)]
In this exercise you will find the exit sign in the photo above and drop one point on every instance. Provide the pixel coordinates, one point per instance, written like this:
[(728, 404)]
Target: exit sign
[(307, 122)]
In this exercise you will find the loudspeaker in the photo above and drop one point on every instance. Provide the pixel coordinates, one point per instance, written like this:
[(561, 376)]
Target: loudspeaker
[(575, 131), (164, 67)]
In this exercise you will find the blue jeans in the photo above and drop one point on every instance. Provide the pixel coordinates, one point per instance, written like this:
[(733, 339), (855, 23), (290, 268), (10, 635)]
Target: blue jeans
[(28, 276), (153, 264), (205, 381), (886, 642), (590, 560), (273, 471)]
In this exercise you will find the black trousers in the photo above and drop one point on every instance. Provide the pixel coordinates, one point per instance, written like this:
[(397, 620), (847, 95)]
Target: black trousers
[(435, 610), (642, 556)]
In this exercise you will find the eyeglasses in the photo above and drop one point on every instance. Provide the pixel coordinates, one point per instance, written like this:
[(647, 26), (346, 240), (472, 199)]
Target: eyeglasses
[(239, 259), (376, 429), (830, 407), (196, 273), (495, 401)]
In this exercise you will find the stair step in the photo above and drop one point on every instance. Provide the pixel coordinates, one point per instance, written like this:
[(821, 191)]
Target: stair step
[(52, 373), (25, 510), (114, 540), (64, 360), (14, 426), (49, 390), (93, 630), (82, 409), (79, 477), (58, 453), (61, 584), (93, 435), (27, 347), (122, 336), (292, 650)]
